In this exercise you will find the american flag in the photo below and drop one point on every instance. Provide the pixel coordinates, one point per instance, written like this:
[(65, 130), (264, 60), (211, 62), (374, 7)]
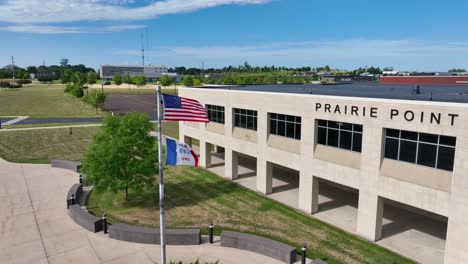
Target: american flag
[(183, 109)]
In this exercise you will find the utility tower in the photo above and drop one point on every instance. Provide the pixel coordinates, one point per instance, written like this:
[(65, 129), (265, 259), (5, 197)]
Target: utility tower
[(13, 66), (142, 51)]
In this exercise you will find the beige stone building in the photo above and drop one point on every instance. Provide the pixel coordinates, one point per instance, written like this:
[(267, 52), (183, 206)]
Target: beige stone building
[(388, 165)]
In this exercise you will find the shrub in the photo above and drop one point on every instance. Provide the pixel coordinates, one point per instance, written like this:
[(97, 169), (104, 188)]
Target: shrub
[(16, 85), (24, 81), (107, 83), (4, 84), (188, 81), (68, 88), (77, 92)]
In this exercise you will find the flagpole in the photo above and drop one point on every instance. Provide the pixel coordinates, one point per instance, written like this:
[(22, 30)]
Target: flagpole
[(161, 179)]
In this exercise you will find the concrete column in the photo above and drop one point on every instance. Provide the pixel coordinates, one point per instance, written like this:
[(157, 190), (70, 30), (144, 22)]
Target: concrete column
[(264, 176), (308, 193), (231, 162), (370, 215), (187, 140), (205, 154), (456, 247), (181, 131)]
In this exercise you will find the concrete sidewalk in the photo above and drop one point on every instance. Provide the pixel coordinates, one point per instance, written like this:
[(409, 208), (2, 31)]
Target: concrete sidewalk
[(35, 226)]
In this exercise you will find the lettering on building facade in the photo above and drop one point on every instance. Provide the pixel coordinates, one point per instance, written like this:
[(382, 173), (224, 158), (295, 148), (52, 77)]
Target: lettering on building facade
[(428, 117)]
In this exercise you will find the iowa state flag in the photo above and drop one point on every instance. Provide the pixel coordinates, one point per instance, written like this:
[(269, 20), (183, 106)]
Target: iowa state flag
[(180, 154)]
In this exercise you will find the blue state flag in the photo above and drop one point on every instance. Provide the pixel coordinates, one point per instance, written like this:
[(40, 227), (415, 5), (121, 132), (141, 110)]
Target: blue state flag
[(180, 154)]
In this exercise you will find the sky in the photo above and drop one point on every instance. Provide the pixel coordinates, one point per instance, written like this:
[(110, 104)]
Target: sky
[(415, 35)]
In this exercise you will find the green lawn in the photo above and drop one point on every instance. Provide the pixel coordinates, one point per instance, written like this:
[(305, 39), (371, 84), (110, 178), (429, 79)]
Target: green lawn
[(195, 197), (42, 146), (43, 101), (49, 101)]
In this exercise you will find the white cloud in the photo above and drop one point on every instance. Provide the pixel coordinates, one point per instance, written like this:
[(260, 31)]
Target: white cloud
[(45, 29), (348, 53), (40, 11)]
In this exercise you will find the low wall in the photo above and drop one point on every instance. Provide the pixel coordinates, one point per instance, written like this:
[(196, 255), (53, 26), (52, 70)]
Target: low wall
[(66, 164), (260, 245), (85, 219), (77, 191), (150, 235)]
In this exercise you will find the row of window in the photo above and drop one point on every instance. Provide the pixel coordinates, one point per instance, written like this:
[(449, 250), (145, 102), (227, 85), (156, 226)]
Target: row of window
[(424, 149), (340, 135), (420, 148)]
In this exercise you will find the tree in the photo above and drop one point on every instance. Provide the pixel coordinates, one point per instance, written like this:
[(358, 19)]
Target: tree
[(457, 70), (188, 81), (67, 76), (139, 80), (91, 77), (79, 79), (32, 69), (96, 99), (165, 80), (128, 80), (77, 91), (196, 82), (123, 156), (117, 79)]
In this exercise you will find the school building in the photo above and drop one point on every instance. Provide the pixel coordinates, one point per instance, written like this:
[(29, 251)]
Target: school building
[(385, 162)]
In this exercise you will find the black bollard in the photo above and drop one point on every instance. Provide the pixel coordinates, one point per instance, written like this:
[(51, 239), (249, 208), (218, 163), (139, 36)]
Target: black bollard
[(72, 198), (304, 251), (211, 232), (0, 124), (81, 179), (104, 222)]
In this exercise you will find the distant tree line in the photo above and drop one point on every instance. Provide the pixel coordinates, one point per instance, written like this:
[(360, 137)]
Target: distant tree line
[(42, 73)]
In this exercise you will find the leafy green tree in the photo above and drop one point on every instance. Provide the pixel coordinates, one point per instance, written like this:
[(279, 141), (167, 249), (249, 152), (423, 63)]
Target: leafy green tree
[(79, 79), (165, 80), (32, 69), (123, 156), (139, 80), (196, 82), (117, 79), (96, 99), (26, 75), (457, 70), (92, 77), (68, 88), (188, 81), (77, 91), (67, 76)]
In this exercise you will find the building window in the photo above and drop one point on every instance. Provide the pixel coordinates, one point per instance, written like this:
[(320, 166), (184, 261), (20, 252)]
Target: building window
[(215, 113), (244, 118), (285, 125), (339, 135), (424, 149)]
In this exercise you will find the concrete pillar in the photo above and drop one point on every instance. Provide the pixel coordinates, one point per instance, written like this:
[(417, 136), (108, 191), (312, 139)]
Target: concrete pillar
[(264, 176), (188, 141), (231, 162), (205, 154), (370, 215), (308, 193), (456, 247)]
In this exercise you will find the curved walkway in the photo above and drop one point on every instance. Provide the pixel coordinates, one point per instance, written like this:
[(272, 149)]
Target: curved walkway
[(35, 226)]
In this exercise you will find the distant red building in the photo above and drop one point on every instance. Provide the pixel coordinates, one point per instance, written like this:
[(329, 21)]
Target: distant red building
[(443, 80)]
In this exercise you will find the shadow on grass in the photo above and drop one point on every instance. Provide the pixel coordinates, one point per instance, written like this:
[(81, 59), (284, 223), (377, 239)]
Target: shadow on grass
[(177, 193)]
